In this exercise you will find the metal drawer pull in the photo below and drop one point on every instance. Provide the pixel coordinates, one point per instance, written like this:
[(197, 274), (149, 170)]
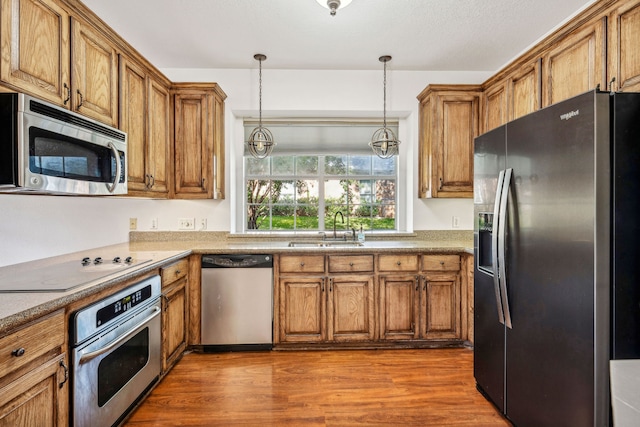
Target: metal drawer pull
[(398, 263), (178, 272), (351, 264), (302, 264), (18, 352)]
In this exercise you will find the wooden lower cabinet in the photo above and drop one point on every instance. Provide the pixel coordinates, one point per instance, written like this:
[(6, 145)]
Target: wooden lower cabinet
[(406, 299), (175, 313), (34, 374), (302, 312), (399, 307)]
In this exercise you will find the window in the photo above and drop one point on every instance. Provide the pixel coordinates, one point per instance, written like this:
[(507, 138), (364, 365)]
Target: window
[(318, 168), (306, 192)]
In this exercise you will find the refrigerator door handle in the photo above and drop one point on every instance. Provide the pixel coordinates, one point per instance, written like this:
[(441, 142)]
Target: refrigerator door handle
[(502, 221), (494, 247)]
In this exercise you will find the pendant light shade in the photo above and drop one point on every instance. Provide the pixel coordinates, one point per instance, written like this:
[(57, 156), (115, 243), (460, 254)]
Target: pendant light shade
[(384, 142), (260, 143)]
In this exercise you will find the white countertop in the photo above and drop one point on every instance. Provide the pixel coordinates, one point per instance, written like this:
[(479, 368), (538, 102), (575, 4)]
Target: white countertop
[(625, 392)]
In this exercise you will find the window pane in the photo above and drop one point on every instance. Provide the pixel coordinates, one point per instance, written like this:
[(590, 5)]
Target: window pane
[(257, 166), (335, 191), (307, 165), (385, 191), (258, 191), (257, 217), (282, 165), (384, 166), (360, 165), (335, 165), (307, 191)]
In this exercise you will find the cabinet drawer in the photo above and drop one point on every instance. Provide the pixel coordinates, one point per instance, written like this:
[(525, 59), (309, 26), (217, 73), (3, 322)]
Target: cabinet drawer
[(350, 264), (175, 271), (398, 263), (302, 264), (441, 262), (31, 341)]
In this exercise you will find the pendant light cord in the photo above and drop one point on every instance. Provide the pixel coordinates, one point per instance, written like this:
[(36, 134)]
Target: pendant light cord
[(260, 91), (384, 114)]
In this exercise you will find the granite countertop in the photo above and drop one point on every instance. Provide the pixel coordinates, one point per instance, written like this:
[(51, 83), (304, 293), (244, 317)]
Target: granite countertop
[(161, 248)]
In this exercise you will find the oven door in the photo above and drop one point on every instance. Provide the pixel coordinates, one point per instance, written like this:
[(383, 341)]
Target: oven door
[(112, 370)]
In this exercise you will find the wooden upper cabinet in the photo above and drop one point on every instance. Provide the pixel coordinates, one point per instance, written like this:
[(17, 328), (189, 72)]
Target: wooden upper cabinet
[(198, 110), (446, 139), (524, 87), (133, 113), (624, 47), (145, 110), (159, 137), (575, 64), (495, 111), (34, 35), (94, 75)]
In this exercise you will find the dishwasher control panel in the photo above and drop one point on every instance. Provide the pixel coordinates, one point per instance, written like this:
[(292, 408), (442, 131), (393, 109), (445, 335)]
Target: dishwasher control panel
[(237, 261)]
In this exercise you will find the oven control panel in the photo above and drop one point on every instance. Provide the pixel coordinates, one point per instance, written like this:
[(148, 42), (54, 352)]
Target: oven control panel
[(116, 308)]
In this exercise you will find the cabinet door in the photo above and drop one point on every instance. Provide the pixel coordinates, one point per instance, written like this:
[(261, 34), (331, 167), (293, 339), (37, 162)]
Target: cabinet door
[(440, 306), (495, 106), (159, 138), (576, 64), (174, 323), (398, 307), (133, 114), (351, 308), (193, 145), (34, 35), (94, 78), (524, 90), (453, 152), (624, 58), (302, 309), (38, 398)]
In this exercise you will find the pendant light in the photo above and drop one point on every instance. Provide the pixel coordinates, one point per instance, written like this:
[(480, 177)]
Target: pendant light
[(260, 143), (333, 5), (384, 142)]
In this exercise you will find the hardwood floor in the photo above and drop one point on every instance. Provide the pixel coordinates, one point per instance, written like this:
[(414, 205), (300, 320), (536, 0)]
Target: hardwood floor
[(433, 387)]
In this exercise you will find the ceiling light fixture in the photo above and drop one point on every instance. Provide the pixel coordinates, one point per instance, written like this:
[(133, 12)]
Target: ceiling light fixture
[(384, 142), (333, 5), (260, 143)]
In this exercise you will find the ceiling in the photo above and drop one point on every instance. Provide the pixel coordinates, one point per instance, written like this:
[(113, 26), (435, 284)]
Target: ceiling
[(421, 35)]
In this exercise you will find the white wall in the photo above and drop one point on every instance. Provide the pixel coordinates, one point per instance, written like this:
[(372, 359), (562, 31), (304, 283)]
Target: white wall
[(33, 227)]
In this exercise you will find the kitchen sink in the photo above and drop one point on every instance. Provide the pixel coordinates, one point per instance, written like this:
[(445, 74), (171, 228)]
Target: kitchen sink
[(324, 243)]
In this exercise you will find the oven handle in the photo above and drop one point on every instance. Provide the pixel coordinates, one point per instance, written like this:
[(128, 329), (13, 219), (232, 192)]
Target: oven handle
[(90, 356)]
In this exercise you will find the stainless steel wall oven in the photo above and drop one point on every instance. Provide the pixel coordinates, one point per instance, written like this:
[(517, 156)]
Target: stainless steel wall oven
[(116, 350)]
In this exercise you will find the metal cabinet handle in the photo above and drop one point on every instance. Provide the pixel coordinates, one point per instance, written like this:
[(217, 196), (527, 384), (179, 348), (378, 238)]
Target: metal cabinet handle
[(302, 264), (152, 181), (398, 263), (440, 186), (81, 99), (68, 89), (330, 285), (178, 272), (350, 264), (66, 374), (417, 283), (18, 352)]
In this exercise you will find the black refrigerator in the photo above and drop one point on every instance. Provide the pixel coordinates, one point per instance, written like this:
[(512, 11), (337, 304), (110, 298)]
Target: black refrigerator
[(557, 272)]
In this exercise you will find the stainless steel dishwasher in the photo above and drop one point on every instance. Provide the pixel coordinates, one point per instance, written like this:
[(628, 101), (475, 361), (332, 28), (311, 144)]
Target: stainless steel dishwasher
[(237, 302)]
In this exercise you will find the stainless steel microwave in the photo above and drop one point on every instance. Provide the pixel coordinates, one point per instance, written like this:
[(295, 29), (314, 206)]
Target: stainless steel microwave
[(50, 150)]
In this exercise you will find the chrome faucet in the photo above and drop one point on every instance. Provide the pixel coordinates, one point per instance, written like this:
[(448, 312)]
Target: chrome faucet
[(334, 222)]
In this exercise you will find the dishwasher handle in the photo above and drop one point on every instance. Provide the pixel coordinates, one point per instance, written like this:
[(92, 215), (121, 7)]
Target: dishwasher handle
[(237, 261)]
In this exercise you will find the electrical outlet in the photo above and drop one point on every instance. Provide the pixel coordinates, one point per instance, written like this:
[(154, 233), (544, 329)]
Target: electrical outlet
[(133, 223), (186, 224), (203, 223), (154, 223), (455, 222)]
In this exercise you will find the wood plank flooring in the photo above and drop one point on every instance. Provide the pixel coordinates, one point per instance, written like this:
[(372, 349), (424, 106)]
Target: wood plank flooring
[(433, 387)]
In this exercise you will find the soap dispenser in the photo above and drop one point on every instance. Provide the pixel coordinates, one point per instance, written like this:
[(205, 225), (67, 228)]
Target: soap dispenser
[(361, 235)]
